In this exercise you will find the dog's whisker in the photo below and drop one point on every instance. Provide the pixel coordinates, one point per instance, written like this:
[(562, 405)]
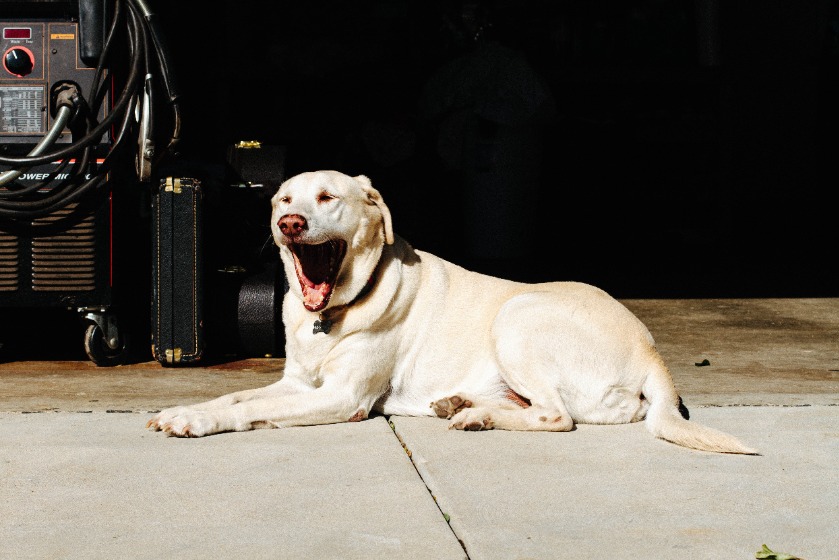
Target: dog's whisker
[(269, 241)]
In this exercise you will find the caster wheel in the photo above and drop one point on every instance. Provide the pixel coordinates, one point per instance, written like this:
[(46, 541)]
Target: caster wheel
[(98, 350)]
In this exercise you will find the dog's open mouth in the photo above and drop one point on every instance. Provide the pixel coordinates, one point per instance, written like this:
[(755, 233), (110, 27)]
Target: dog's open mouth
[(317, 268)]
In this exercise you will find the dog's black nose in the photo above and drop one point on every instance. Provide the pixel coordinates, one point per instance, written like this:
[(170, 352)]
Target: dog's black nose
[(292, 224)]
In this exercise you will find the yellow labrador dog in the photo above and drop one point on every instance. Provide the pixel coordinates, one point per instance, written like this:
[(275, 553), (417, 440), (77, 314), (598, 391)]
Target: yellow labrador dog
[(374, 325)]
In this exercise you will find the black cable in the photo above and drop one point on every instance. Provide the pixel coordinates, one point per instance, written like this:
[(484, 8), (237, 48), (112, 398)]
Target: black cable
[(98, 92)]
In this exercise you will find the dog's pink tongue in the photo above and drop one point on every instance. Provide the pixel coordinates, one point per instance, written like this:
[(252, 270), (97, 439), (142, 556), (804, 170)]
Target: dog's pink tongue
[(314, 296)]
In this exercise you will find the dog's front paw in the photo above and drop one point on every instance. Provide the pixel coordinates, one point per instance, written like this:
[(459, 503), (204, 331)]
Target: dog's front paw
[(472, 419), (163, 417), (182, 421)]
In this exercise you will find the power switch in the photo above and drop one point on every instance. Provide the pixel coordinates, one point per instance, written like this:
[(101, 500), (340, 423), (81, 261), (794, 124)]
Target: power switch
[(19, 61)]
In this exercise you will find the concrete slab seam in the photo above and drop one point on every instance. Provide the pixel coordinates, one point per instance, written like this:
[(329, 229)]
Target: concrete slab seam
[(424, 477)]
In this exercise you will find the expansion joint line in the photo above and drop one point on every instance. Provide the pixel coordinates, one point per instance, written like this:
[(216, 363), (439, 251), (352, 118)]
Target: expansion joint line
[(430, 492)]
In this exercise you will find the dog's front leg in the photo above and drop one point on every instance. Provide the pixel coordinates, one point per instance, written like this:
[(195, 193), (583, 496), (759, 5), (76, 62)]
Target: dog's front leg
[(288, 385), (325, 405)]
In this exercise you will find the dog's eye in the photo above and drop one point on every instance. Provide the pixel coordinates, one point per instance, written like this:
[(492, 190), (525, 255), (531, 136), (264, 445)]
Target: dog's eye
[(325, 197), (285, 199)]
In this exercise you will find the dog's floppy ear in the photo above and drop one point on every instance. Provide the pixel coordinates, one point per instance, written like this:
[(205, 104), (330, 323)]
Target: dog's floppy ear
[(376, 198)]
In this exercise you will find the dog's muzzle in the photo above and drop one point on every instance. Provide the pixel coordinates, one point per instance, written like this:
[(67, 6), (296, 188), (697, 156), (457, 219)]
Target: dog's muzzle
[(316, 264)]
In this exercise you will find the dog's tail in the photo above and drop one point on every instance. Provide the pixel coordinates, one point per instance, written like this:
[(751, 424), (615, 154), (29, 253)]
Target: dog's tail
[(665, 421)]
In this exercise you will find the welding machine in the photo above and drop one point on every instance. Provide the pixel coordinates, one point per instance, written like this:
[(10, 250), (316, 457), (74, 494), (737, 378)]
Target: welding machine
[(79, 86)]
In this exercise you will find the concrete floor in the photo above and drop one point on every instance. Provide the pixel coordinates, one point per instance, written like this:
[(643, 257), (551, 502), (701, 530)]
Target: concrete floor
[(81, 477)]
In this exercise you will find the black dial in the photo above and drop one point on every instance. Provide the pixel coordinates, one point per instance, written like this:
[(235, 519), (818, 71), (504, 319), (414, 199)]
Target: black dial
[(18, 61)]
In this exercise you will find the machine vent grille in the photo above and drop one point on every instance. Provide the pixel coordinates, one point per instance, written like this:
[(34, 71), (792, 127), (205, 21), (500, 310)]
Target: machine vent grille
[(8, 262), (64, 261)]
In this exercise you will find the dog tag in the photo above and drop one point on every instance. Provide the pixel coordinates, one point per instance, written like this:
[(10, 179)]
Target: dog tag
[(323, 326)]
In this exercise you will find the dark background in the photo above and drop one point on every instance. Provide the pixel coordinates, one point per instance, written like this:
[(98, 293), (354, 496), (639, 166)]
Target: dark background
[(654, 148)]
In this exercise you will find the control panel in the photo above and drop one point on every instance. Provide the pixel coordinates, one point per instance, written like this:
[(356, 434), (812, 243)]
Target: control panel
[(37, 55)]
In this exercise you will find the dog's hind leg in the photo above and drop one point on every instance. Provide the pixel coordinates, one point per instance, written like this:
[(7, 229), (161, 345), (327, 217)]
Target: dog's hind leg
[(512, 413), (532, 418), (527, 364)]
